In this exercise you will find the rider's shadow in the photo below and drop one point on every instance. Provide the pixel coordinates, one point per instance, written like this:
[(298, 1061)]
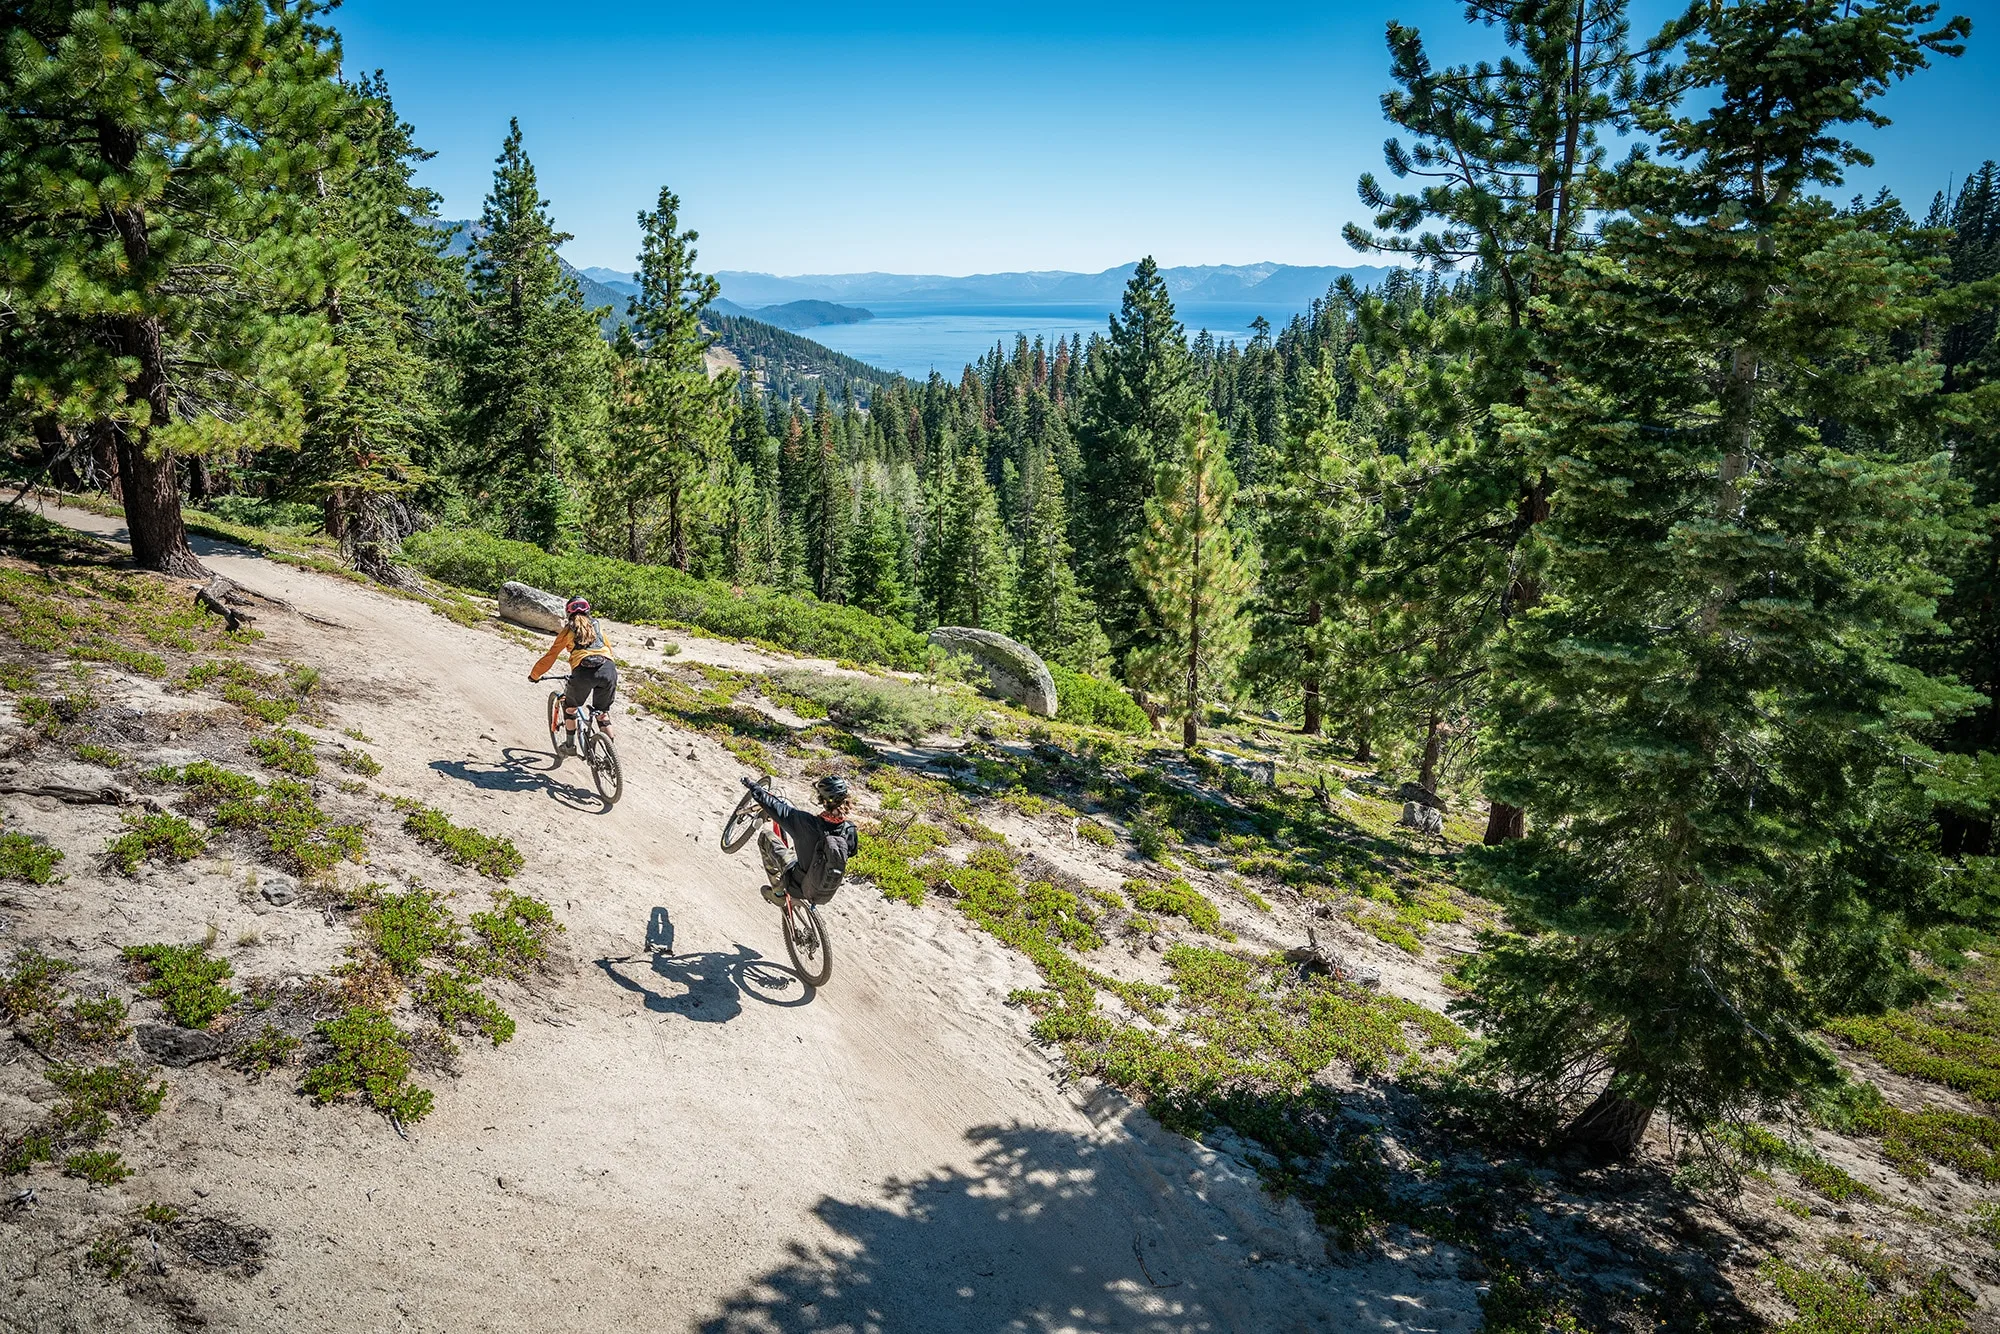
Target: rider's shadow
[(708, 988), (521, 771)]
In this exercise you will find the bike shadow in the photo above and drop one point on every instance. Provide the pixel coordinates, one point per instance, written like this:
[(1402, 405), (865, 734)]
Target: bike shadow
[(523, 770), (710, 987)]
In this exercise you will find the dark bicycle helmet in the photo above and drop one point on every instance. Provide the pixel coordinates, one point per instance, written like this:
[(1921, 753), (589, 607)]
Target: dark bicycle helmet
[(831, 791), (575, 606)]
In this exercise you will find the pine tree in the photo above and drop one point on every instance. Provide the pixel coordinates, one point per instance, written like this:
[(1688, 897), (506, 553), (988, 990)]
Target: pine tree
[(1139, 399), (151, 234), (965, 572), (673, 420), (878, 555), (366, 432), (1195, 574), (533, 367), (1050, 615), (828, 507), (1708, 722)]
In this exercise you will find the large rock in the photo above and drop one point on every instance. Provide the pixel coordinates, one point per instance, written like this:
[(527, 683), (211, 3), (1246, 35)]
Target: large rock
[(177, 1047), (1424, 819), (530, 607), (1013, 670)]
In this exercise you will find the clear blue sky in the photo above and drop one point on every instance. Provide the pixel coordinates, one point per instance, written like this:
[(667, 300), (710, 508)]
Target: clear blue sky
[(977, 138)]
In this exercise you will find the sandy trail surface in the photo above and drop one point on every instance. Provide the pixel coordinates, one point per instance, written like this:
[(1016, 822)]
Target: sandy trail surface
[(693, 1139)]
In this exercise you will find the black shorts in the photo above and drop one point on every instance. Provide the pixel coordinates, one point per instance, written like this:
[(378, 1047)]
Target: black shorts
[(596, 679)]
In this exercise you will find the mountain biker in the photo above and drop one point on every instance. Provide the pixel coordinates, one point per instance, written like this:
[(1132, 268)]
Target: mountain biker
[(592, 674), (827, 841)]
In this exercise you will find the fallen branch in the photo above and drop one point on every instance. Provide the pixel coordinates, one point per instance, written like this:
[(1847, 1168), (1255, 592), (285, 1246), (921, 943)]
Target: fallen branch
[(1314, 956), (214, 595), (81, 796)]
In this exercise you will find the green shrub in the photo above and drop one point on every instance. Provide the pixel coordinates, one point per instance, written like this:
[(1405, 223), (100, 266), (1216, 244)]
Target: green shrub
[(514, 936), (1837, 1303), (459, 1004), (464, 846), (287, 751), (888, 856), (25, 858), (291, 822), (185, 980), (100, 1167), (1090, 831), (368, 1056), (1089, 702), (889, 708), (91, 753), (269, 1050), (407, 929), (654, 593), (1176, 898), (358, 762), (152, 837)]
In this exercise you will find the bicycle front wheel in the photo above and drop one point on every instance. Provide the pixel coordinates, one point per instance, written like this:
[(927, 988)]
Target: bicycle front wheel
[(742, 823), (555, 723), (604, 770), (805, 941)]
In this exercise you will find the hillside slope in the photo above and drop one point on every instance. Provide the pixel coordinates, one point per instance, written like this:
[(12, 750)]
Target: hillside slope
[(687, 1139)]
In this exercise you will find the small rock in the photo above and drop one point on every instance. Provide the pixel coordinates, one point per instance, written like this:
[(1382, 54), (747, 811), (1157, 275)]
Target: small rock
[(1423, 819), (177, 1047), (278, 895), (1842, 1216)]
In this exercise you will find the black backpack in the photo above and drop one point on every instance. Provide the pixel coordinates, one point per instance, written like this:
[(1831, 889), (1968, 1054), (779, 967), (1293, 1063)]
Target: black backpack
[(826, 874)]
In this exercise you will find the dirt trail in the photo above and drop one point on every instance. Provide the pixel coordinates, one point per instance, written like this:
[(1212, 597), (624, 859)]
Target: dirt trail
[(692, 1140)]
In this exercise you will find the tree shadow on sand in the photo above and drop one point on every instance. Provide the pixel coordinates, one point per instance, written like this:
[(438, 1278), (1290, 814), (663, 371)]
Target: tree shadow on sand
[(1054, 1231)]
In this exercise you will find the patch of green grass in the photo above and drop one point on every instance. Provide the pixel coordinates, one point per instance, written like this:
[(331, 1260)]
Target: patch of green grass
[(356, 734), (460, 844), (1390, 931), (1796, 1208), (1759, 1148), (1177, 898), (28, 859), (1957, 1046), (154, 837), (1829, 1302), (513, 937), (91, 753), (1256, 900), (286, 751), (406, 929), (100, 1167), (1150, 838), (271, 1049), (358, 762), (52, 1018), (111, 1254), (18, 678), (459, 1004), (94, 1098), (369, 1056), (186, 980)]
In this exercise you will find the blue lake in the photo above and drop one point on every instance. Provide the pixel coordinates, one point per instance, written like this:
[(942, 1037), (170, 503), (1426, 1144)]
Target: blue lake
[(916, 340)]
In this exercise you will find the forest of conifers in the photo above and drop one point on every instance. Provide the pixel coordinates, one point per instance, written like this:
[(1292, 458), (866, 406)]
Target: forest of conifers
[(1654, 506)]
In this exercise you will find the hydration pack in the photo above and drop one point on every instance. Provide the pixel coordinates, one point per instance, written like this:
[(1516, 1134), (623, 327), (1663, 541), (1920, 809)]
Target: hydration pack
[(824, 875), (584, 634)]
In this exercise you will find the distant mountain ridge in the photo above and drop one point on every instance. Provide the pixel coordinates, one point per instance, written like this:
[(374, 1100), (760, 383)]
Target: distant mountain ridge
[(1283, 287), (795, 315)]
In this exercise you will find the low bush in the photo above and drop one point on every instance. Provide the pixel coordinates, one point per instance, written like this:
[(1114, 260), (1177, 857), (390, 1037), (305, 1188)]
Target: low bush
[(514, 936), (1089, 702), (270, 1050), (358, 762), (285, 814), (154, 837), (407, 929), (901, 710), (460, 844), (186, 980), (100, 1167), (287, 751), (655, 593), (29, 859), (368, 1055), (460, 1006), (1176, 898)]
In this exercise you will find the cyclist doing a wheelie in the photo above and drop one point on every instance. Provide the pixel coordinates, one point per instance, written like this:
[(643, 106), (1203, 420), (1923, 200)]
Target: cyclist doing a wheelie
[(821, 845), (592, 674)]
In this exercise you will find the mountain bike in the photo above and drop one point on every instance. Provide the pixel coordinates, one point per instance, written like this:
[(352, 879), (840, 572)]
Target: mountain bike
[(805, 934), (591, 743)]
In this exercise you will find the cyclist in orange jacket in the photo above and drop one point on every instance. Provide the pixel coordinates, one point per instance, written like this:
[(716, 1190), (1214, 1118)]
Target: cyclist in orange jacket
[(592, 673)]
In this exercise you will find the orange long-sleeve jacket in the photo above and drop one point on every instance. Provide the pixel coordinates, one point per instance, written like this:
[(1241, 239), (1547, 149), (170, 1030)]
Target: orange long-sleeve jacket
[(566, 642)]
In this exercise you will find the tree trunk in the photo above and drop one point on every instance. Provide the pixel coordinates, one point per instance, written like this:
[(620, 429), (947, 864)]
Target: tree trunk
[(152, 494), (104, 457), (1364, 749), (1433, 744), (1504, 822), (200, 486), (633, 552), (1313, 706), (1191, 720), (1612, 1127), (677, 543), (334, 513)]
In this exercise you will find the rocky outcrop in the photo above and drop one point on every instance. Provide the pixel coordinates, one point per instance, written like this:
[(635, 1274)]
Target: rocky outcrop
[(1013, 670), (1424, 819), (530, 607)]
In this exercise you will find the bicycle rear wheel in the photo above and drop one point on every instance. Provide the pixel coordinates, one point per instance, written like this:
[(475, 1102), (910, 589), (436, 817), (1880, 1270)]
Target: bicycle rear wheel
[(805, 941), (742, 823), (555, 723), (604, 770)]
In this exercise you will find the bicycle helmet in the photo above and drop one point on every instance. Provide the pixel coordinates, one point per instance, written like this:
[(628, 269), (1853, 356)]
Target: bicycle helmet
[(831, 791), (576, 606)]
